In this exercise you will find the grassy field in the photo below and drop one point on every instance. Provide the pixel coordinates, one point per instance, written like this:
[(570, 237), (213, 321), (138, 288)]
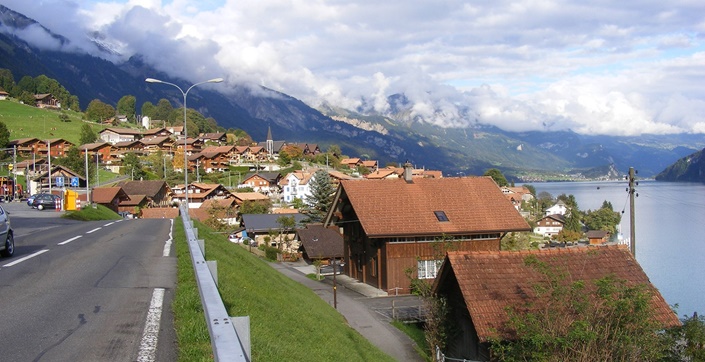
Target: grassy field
[(25, 121), (288, 321)]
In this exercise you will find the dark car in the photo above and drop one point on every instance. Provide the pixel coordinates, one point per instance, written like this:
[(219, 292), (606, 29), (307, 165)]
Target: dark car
[(46, 201), (7, 240), (31, 199)]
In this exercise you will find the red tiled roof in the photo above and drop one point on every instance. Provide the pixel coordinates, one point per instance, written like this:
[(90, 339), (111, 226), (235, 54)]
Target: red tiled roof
[(106, 195), (395, 207), (490, 281), (160, 213)]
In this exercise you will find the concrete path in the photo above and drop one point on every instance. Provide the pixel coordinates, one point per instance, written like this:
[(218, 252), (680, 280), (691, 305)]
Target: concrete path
[(350, 304)]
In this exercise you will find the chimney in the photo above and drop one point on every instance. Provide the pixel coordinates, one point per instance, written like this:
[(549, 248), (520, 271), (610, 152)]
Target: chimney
[(408, 171)]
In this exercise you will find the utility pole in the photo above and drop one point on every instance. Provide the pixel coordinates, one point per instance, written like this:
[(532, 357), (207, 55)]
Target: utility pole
[(632, 192), (88, 192)]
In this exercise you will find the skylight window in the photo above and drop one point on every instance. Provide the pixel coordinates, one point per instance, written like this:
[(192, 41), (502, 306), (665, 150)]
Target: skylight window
[(441, 215)]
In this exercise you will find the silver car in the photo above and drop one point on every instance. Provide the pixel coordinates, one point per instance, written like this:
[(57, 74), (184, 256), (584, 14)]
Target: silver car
[(7, 247)]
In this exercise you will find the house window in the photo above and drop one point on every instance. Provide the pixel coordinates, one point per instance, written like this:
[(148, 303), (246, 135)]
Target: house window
[(441, 216), (427, 269)]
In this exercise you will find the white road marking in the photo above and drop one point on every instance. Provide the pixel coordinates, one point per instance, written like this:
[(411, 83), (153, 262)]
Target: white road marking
[(110, 223), (92, 231), (26, 257), (69, 240), (150, 336), (167, 244)]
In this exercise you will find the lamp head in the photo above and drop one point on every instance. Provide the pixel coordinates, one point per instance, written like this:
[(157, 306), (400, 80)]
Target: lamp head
[(215, 80), (152, 80)]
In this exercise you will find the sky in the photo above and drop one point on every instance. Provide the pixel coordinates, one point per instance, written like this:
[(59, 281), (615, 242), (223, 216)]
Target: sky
[(621, 68)]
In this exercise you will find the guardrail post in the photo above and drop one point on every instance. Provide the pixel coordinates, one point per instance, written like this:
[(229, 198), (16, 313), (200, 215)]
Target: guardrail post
[(202, 246), (242, 327), (213, 267)]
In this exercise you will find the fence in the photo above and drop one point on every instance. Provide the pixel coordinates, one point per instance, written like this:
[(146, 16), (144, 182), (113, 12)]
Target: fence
[(230, 336)]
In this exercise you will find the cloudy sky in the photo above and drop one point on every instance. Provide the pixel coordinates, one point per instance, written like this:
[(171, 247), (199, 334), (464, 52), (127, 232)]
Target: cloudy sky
[(593, 66)]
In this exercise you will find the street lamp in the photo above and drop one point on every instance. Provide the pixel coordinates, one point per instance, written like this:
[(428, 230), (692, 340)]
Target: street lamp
[(215, 80)]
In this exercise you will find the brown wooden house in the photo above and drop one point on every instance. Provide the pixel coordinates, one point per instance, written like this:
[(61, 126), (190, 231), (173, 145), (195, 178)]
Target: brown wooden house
[(109, 197), (393, 225), (597, 237), (27, 146), (480, 286), (104, 149), (46, 100), (57, 147), (157, 192)]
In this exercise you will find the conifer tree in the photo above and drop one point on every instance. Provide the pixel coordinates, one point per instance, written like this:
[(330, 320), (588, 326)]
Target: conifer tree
[(321, 197)]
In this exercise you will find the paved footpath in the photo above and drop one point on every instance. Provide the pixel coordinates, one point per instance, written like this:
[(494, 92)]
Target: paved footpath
[(359, 316)]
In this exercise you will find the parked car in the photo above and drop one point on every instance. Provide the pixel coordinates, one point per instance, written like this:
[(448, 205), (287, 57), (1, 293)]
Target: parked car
[(31, 199), (7, 247), (46, 201)]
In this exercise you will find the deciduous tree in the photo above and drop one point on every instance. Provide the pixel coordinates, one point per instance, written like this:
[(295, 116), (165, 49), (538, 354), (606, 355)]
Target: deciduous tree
[(497, 176)]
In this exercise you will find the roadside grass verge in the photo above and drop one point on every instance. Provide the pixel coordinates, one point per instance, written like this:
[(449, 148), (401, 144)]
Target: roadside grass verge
[(416, 333), (288, 321), (91, 214)]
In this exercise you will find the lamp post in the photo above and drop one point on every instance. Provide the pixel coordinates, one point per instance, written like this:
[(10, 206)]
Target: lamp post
[(214, 80)]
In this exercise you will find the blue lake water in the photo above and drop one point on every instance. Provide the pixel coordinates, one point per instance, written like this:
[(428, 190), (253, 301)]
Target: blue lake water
[(670, 232)]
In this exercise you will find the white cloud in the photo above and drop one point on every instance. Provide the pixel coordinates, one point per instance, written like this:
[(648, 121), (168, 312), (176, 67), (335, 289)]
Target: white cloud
[(613, 68)]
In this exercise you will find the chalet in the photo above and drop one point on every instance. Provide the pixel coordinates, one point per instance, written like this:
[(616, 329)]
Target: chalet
[(26, 146), (480, 287), (193, 145), (390, 226), (264, 182), (59, 176), (351, 162), (370, 164), (156, 132), (219, 138), (597, 237), (156, 144), (56, 147), (550, 225), (319, 243), (559, 208), (30, 167), (520, 193), (256, 153), (115, 135), (261, 226), (242, 197), (134, 205), (103, 149), (198, 193), (382, 173), (135, 146), (175, 130), (4, 95), (156, 192), (109, 197), (46, 100)]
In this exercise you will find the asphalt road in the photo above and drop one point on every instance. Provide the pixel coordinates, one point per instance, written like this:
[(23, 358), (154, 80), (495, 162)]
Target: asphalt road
[(86, 291)]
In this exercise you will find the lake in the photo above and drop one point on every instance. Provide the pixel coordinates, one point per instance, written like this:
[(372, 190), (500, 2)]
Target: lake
[(670, 232)]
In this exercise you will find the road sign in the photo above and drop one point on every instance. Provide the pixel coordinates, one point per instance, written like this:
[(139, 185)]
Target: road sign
[(59, 181), (74, 181)]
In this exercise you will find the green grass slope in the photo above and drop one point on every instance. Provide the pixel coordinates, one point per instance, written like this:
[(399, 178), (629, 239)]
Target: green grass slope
[(25, 121), (288, 322)]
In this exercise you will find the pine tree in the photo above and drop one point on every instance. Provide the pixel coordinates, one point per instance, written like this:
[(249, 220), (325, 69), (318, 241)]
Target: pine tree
[(321, 197)]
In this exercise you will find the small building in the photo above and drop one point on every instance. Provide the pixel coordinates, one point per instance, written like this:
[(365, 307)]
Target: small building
[(156, 192), (390, 226), (46, 100), (480, 287), (550, 225), (597, 237), (114, 135), (262, 227), (264, 182), (320, 243), (560, 208), (109, 197)]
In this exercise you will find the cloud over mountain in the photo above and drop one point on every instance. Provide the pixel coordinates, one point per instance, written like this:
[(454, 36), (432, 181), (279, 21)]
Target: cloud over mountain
[(593, 67)]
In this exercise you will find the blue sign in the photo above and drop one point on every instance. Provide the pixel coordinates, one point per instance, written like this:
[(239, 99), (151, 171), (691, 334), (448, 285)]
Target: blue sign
[(74, 181), (59, 181)]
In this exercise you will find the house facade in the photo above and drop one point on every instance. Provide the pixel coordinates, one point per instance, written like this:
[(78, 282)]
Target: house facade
[(550, 225), (390, 226)]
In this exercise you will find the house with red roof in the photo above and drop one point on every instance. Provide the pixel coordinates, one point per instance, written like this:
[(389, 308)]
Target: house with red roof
[(109, 197), (393, 225), (480, 287)]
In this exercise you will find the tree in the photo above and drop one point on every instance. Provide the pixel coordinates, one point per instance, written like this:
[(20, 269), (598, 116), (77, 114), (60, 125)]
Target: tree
[(286, 224), (321, 197), (98, 111), (4, 135), (255, 207), (7, 80), (87, 134), (127, 106), (603, 219), (132, 166), (163, 111), (604, 320), (148, 109), (26, 98), (497, 176), (687, 341)]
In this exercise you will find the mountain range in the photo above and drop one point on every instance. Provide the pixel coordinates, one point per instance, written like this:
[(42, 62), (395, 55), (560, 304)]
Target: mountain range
[(392, 137)]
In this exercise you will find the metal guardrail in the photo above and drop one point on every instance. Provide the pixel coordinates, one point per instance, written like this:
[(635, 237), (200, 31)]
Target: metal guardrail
[(227, 345)]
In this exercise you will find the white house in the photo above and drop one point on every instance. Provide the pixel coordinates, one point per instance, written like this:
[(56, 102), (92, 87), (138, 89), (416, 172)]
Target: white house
[(559, 208), (550, 225), (296, 185)]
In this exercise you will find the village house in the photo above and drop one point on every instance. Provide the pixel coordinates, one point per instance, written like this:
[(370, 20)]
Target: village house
[(109, 197), (550, 225), (26, 146), (103, 149), (156, 192), (4, 95), (480, 286), (597, 237), (46, 100), (297, 184), (219, 138), (58, 177), (57, 147), (318, 243), (198, 193), (265, 229), (390, 226), (559, 208), (222, 209), (264, 182), (115, 135)]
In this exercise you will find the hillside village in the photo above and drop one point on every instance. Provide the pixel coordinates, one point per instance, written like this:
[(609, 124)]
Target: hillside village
[(381, 221)]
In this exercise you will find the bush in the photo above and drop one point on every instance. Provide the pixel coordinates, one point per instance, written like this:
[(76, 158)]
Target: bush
[(271, 253)]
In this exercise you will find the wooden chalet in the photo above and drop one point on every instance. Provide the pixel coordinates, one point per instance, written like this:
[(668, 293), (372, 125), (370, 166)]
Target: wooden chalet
[(103, 149), (27, 146), (156, 192), (264, 182), (550, 225), (393, 225), (597, 237), (109, 197), (156, 132), (480, 286), (219, 138), (320, 243), (46, 100), (156, 144), (351, 162), (56, 147), (44, 179)]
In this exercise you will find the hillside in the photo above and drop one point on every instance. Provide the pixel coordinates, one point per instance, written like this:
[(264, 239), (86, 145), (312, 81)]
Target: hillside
[(26, 122), (690, 168), (396, 137)]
